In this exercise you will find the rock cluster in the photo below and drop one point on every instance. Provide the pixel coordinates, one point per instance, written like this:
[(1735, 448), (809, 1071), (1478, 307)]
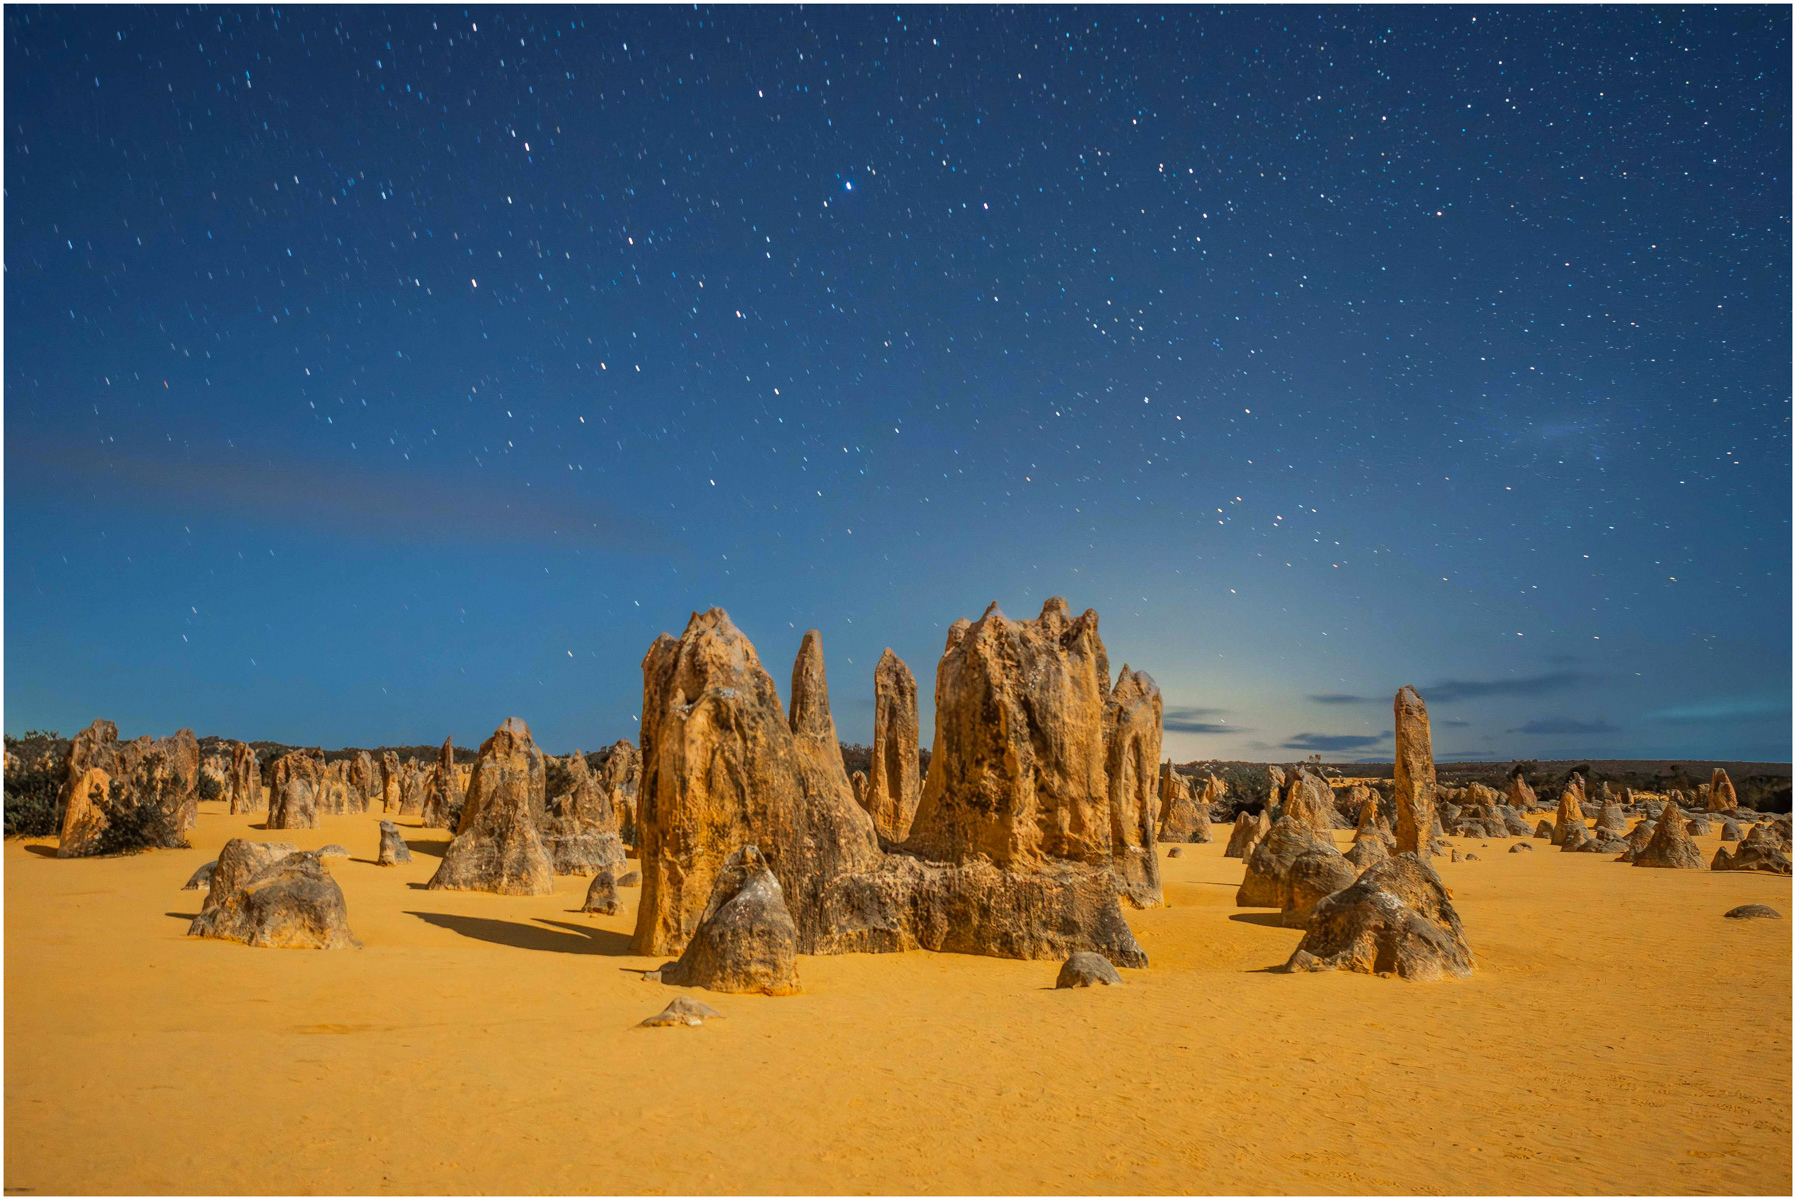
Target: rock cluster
[(1395, 919), (269, 894), (129, 795), (1670, 845), (1761, 850), (1185, 809)]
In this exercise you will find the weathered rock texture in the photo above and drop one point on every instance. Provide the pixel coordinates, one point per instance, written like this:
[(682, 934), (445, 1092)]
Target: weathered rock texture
[(243, 780), (619, 776), (1395, 919), (294, 782), (1263, 884), (601, 895), (1011, 851), (497, 847), (1310, 802), (1086, 969), (1761, 850), (1184, 807), (1670, 845), (1521, 796), (389, 781), (1314, 874), (746, 940), (1413, 774), (580, 827), (267, 894), (443, 806), (893, 782), (1249, 829), (148, 786), (393, 849), (1132, 763), (1721, 792)]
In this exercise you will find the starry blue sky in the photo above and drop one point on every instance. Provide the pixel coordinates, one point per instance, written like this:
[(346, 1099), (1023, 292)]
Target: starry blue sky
[(372, 375)]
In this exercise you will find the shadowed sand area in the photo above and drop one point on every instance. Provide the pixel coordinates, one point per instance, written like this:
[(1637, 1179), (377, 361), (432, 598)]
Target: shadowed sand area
[(1619, 1037)]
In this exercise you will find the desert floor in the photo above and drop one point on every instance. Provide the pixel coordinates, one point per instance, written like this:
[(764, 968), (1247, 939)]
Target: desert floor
[(1619, 1037)]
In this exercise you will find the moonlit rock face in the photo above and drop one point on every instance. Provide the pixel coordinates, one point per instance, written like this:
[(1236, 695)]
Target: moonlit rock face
[(1414, 774), (894, 783), (497, 846)]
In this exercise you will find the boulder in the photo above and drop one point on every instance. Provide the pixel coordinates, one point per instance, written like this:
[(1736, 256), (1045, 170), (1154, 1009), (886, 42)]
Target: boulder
[(630, 879), (683, 1011), (393, 849), (1310, 803), (1132, 718), (601, 895), (1730, 830), (497, 847), (443, 805), (332, 851), (1263, 884), (1748, 912), (1414, 774), (1367, 851), (1761, 850), (201, 880), (1721, 792), (1086, 969), (894, 782), (1520, 846), (1396, 918), (1670, 845), (1697, 827), (1513, 825), (1314, 874), (1572, 837), (580, 829), (1249, 829), (746, 940), (267, 894), (1174, 852)]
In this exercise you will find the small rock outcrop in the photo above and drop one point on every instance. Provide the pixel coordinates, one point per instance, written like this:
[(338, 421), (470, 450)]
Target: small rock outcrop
[(746, 940), (1395, 919), (580, 827), (1670, 845), (683, 1011), (267, 894), (295, 781), (894, 782), (1249, 829), (1721, 792), (497, 847), (442, 805), (1367, 851), (1730, 830), (1132, 717), (121, 796), (1086, 969), (601, 894), (393, 849), (1414, 774), (1750, 912), (1314, 874), (1521, 796), (1310, 803), (1519, 847), (243, 780), (201, 879)]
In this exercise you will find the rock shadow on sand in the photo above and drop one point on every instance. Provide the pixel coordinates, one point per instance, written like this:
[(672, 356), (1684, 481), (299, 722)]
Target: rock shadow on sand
[(562, 937), (1272, 919)]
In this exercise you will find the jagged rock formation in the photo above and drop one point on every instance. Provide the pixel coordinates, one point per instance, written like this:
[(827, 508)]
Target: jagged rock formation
[(746, 940), (364, 781), (393, 849), (389, 781), (1086, 969), (580, 828), (268, 894), (1249, 829), (1131, 762), (601, 896), (294, 781), (148, 784), (1310, 803), (1569, 816), (1760, 851), (243, 780), (1185, 815), (618, 777), (1367, 851), (1521, 796), (894, 784), (721, 769), (443, 805), (1721, 792), (1314, 874), (1395, 919), (1263, 884), (414, 780), (497, 847), (1414, 775), (1670, 845)]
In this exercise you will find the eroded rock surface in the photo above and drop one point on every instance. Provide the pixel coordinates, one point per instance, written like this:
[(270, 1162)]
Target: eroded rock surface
[(1395, 919), (894, 783), (1670, 845), (580, 828), (497, 846), (1086, 969), (1414, 774), (268, 894), (393, 849), (745, 940)]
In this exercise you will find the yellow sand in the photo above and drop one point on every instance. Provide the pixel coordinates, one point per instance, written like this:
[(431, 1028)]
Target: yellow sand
[(1620, 1036)]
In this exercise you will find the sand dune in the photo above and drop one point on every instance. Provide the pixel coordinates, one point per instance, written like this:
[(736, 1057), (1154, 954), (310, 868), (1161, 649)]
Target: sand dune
[(1620, 1036)]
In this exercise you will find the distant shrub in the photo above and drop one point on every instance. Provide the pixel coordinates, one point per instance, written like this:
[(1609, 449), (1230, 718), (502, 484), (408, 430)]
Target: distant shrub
[(557, 779), (32, 808), (208, 788)]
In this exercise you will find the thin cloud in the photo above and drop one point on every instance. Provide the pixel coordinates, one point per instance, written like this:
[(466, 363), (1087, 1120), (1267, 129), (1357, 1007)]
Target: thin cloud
[(1716, 712), (1561, 725), (1339, 698), (1528, 685), (1192, 720), (1335, 741)]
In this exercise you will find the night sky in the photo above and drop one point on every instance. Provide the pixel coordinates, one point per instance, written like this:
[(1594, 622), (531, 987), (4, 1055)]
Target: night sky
[(372, 375)]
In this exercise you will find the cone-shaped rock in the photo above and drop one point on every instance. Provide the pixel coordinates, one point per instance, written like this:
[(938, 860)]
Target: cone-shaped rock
[(601, 895), (1521, 796), (745, 940), (1569, 820), (1670, 845), (1310, 803), (443, 806), (1414, 774), (1395, 919), (1721, 792), (1249, 829), (497, 847), (893, 782)]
